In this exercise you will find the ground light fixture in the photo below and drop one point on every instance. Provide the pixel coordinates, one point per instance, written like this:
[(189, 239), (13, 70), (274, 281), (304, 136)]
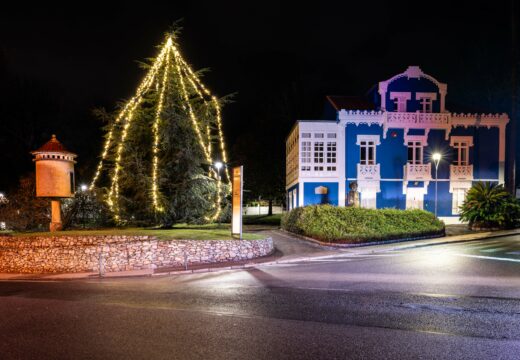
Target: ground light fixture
[(436, 157)]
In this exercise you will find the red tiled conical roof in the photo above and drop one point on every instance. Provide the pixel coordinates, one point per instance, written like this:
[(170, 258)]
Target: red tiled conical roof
[(53, 145)]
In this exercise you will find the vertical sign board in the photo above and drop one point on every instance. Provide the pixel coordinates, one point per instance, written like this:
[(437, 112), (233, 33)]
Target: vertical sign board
[(237, 185)]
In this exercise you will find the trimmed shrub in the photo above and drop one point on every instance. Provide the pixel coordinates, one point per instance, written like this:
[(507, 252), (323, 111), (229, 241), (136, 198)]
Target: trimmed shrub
[(358, 225), (489, 205)]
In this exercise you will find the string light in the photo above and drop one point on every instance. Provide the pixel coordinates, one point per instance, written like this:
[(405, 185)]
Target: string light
[(155, 147), (158, 75)]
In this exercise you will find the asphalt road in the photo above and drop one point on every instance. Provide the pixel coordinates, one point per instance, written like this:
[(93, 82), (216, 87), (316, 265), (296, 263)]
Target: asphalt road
[(458, 301)]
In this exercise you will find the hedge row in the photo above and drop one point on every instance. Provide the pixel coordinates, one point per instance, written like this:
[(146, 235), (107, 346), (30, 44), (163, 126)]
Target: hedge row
[(358, 225)]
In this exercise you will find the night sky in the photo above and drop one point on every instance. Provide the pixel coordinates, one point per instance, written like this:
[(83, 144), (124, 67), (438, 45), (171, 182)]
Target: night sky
[(59, 63)]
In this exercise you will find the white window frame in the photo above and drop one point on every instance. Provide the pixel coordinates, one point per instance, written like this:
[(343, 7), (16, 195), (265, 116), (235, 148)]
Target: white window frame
[(306, 154), (461, 144), (400, 99), (367, 142), (417, 152), (426, 99), (418, 142), (318, 152)]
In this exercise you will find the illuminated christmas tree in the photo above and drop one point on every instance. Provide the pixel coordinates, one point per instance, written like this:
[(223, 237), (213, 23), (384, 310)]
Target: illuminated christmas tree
[(160, 149)]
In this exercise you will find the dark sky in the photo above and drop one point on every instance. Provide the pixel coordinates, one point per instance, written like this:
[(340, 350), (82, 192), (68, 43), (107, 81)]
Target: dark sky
[(281, 60)]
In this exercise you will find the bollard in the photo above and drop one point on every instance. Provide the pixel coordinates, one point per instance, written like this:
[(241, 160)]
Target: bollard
[(101, 265), (185, 261)]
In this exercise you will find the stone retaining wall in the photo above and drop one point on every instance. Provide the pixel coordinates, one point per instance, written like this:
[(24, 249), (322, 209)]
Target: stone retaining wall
[(56, 254)]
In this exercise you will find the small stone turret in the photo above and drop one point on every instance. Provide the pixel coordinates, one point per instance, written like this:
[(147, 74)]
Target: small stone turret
[(54, 176)]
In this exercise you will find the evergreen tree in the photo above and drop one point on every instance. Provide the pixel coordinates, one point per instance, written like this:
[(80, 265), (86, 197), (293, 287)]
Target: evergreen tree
[(157, 163)]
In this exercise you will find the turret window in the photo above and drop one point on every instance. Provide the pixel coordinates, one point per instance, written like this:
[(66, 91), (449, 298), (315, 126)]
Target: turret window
[(426, 101), (400, 99)]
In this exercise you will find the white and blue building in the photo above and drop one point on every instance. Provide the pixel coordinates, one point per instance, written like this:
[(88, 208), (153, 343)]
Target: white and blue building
[(385, 144)]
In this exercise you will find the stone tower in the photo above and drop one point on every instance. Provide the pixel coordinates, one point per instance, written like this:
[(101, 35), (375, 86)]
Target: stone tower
[(54, 176)]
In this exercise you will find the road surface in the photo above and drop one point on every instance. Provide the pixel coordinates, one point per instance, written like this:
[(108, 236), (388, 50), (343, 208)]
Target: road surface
[(457, 301)]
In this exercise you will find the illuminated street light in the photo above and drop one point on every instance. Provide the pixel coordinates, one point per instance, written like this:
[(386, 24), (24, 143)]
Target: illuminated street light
[(218, 165), (436, 157), (83, 187)]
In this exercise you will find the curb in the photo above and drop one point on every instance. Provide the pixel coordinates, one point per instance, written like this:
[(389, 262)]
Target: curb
[(332, 246), (435, 240)]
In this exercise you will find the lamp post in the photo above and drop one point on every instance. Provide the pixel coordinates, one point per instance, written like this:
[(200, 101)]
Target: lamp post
[(436, 157), (218, 165)]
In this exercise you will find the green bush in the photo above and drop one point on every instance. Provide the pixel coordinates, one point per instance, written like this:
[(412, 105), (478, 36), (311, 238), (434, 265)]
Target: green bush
[(489, 205), (358, 225)]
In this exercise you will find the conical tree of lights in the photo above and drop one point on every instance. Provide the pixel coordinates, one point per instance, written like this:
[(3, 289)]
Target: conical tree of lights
[(160, 147)]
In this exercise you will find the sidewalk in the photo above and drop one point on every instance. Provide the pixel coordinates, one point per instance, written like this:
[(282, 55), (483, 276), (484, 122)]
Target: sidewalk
[(276, 258)]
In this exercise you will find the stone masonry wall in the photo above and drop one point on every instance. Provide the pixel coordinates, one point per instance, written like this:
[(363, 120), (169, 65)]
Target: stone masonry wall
[(56, 254)]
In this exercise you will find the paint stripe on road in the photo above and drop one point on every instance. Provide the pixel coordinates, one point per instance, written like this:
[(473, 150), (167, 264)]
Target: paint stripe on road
[(489, 257)]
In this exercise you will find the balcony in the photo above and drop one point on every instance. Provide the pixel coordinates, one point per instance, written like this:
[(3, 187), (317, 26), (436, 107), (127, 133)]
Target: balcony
[(417, 120), (418, 172), (461, 172), (368, 172)]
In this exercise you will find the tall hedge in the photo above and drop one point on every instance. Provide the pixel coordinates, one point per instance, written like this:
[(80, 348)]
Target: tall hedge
[(358, 225)]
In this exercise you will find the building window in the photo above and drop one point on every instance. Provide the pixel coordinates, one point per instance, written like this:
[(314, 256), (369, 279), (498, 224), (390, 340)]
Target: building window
[(306, 135), (331, 152), (458, 197), (331, 135), (400, 104), (318, 168), (306, 152), (318, 152), (400, 99), (426, 105), (318, 135), (367, 153), (306, 168), (462, 150), (426, 101), (415, 152), (331, 168)]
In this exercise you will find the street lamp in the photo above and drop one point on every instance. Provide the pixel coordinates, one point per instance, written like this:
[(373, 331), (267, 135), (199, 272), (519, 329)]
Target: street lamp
[(218, 165), (436, 157), (83, 187)]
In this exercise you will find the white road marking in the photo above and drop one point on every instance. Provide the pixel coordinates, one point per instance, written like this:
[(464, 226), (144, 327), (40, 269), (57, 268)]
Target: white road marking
[(488, 257)]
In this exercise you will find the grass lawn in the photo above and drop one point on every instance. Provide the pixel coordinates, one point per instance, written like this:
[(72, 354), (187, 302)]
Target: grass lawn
[(181, 231)]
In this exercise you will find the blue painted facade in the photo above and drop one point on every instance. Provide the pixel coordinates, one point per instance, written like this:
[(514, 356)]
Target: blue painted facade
[(312, 198), (403, 114)]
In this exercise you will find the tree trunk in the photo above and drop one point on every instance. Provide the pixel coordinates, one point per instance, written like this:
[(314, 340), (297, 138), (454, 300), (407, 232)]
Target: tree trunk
[(270, 212)]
